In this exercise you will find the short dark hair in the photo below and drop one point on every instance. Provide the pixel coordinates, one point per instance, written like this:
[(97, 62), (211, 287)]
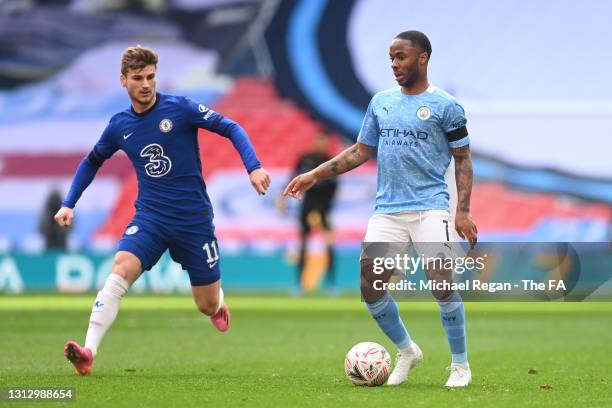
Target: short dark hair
[(418, 39), (137, 58)]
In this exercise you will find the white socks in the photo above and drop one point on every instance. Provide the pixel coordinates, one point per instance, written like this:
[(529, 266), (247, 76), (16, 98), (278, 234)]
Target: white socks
[(105, 310), (220, 300)]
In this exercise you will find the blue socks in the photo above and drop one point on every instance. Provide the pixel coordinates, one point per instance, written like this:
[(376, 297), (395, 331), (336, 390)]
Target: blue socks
[(452, 314), (386, 314)]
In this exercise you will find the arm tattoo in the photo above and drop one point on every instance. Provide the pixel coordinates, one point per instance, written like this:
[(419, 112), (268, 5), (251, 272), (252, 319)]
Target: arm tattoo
[(334, 166), (464, 176), (345, 161)]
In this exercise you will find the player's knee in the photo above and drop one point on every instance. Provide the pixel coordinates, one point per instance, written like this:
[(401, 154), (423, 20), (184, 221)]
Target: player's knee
[(127, 266)]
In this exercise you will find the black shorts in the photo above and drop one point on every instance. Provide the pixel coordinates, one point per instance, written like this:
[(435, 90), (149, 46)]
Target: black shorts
[(308, 215)]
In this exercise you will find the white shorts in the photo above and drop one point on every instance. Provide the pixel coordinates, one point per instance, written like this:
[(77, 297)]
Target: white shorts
[(417, 226), (414, 227), (431, 232)]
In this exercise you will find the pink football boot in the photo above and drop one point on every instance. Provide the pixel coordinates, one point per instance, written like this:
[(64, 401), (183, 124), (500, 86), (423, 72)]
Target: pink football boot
[(221, 320), (80, 357)]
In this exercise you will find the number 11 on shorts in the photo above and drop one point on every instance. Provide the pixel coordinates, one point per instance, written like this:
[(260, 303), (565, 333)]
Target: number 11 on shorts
[(212, 255)]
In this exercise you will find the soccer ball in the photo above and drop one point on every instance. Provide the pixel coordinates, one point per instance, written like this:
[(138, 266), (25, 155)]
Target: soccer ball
[(368, 364)]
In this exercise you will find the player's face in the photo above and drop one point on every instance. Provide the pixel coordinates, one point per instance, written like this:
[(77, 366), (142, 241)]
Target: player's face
[(407, 61), (140, 85)]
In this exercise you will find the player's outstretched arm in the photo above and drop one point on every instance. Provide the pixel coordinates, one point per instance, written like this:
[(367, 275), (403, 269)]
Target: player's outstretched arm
[(84, 176), (260, 180), (464, 175), (352, 157), (64, 217)]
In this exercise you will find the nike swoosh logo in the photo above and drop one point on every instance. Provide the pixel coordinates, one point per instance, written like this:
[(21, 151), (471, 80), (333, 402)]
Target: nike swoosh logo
[(126, 136), (212, 265)]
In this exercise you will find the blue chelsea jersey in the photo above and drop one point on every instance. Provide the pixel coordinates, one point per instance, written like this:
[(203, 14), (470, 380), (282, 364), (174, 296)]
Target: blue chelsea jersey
[(413, 135), (162, 145)]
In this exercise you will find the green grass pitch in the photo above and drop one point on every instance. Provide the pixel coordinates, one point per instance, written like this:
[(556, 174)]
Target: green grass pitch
[(285, 351)]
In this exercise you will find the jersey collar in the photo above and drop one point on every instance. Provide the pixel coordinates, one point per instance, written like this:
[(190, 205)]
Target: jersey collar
[(157, 98)]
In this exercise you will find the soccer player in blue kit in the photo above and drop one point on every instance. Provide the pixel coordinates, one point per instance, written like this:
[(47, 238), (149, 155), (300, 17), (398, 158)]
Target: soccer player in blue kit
[(417, 128), (173, 211)]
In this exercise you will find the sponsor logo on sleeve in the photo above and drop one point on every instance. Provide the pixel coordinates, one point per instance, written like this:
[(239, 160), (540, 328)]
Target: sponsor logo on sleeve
[(206, 111)]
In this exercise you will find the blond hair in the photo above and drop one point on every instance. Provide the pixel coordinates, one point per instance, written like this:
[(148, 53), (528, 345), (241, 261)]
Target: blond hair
[(137, 58)]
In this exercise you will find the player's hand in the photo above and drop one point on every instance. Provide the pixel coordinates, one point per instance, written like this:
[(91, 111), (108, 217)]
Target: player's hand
[(260, 180), (299, 185), (64, 217), (466, 228)]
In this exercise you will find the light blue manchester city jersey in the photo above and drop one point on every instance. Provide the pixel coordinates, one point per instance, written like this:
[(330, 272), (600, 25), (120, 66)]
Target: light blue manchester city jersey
[(413, 135)]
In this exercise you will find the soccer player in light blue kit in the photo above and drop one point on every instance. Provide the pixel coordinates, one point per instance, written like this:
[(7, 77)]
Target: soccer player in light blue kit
[(159, 134), (417, 129)]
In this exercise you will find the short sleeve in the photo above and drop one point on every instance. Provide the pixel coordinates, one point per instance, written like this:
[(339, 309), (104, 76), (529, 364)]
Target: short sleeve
[(454, 125), (369, 133)]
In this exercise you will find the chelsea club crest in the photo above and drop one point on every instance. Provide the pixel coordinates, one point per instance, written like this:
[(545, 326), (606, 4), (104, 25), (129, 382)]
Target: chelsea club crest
[(165, 125)]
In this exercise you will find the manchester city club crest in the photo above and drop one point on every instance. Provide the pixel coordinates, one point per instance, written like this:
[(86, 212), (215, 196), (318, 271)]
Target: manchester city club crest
[(424, 113), (165, 125)]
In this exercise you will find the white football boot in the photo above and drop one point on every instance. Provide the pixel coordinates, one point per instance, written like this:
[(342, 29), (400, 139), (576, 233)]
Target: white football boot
[(460, 376), (406, 360)]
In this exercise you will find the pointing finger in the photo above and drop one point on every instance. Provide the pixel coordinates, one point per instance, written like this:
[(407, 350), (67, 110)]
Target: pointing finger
[(289, 189)]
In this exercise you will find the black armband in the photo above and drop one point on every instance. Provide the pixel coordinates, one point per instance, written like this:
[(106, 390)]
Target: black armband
[(457, 134)]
